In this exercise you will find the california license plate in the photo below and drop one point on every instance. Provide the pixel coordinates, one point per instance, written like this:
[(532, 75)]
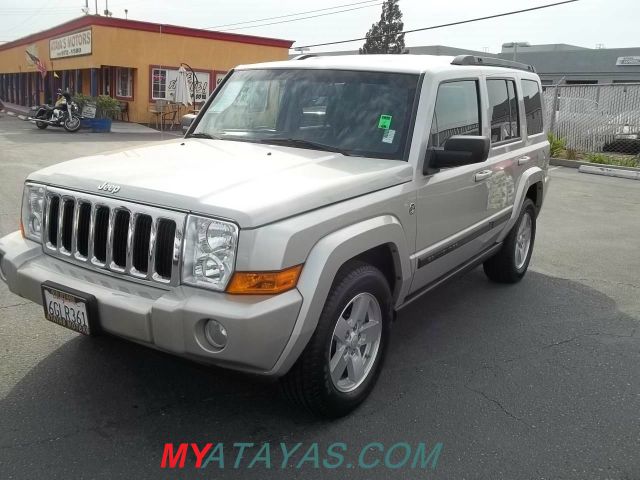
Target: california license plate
[(68, 308)]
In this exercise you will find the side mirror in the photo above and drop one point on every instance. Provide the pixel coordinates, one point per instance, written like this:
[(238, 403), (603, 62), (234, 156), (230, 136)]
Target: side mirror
[(458, 150)]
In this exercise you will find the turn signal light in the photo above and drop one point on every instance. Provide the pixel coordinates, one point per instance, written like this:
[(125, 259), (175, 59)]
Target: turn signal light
[(264, 283)]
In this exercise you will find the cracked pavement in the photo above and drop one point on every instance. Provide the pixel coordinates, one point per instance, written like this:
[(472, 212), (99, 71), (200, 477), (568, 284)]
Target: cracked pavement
[(535, 380)]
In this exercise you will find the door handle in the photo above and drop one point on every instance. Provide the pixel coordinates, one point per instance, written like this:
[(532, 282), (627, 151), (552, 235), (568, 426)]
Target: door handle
[(482, 174), (523, 160)]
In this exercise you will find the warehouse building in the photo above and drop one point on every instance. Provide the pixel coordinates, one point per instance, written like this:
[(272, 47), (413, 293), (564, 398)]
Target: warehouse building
[(555, 63), (573, 65), (135, 62)]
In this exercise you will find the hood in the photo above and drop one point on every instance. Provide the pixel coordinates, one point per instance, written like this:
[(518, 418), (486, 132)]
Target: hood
[(251, 184)]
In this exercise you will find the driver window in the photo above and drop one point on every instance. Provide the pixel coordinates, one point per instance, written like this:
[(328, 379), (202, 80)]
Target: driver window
[(456, 113)]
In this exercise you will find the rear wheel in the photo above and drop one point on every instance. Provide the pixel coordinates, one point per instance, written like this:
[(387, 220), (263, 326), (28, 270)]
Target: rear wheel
[(340, 365), (41, 125), (510, 264)]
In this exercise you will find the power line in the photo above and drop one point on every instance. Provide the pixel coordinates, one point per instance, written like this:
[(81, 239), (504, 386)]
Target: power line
[(44, 4), (301, 18), (444, 24), (289, 15)]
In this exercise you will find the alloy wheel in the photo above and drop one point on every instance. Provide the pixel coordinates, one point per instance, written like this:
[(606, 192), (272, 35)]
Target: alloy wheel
[(355, 342), (523, 240)]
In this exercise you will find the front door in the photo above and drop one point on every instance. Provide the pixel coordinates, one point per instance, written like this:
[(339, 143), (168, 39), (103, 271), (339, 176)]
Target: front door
[(452, 203)]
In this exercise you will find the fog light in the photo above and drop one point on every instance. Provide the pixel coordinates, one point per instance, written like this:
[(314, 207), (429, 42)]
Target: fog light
[(215, 333)]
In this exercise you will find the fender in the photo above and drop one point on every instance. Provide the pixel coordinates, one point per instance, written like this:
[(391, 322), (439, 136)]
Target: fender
[(322, 265), (530, 177)]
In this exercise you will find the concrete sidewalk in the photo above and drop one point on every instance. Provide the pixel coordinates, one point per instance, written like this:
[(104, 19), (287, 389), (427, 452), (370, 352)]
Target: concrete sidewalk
[(117, 126), (17, 110)]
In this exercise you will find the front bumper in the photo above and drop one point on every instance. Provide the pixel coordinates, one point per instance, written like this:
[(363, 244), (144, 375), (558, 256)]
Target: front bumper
[(258, 327)]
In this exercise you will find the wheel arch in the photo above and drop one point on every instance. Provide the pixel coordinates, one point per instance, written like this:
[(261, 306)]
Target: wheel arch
[(531, 185), (380, 241)]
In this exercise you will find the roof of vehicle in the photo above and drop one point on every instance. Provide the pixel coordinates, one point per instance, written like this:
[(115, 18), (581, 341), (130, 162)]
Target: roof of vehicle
[(405, 63)]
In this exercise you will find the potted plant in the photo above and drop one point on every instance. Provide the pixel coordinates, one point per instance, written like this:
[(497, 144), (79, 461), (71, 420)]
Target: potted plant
[(106, 110)]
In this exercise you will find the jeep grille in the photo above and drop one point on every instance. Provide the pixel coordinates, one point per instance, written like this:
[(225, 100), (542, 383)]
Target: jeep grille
[(120, 237)]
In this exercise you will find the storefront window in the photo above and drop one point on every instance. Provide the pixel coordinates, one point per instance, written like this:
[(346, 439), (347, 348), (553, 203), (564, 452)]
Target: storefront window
[(124, 82), (159, 83), (164, 81)]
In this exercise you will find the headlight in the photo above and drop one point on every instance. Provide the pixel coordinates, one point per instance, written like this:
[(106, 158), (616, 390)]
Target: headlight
[(32, 211), (209, 252)]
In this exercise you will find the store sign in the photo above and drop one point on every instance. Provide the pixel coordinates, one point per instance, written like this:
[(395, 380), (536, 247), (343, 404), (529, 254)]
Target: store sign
[(89, 110), (630, 60), (72, 45)]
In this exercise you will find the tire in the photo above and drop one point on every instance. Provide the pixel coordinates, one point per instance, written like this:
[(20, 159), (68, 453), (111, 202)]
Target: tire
[(41, 125), (510, 264), (72, 124), (310, 383)]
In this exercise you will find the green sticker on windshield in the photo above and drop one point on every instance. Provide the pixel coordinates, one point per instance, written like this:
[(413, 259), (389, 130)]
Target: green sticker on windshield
[(385, 121)]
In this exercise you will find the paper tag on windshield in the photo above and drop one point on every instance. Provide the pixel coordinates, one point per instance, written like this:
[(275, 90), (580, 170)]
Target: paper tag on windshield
[(388, 135), (384, 121)]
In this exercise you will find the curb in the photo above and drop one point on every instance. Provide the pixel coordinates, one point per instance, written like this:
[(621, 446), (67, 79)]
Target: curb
[(561, 162), (15, 112), (611, 172)]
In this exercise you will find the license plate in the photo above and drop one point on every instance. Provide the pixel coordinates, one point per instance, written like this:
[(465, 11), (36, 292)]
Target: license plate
[(68, 308)]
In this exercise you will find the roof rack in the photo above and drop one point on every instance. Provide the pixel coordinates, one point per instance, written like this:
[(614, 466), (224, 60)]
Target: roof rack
[(491, 62)]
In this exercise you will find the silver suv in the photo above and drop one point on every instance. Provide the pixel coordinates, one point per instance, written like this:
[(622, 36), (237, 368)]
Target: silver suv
[(309, 201)]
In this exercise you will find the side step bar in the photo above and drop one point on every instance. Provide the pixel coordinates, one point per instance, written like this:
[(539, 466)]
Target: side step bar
[(465, 267)]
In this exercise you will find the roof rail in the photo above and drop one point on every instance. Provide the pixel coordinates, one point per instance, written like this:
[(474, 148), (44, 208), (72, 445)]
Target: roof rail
[(304, 56), (491, 62)]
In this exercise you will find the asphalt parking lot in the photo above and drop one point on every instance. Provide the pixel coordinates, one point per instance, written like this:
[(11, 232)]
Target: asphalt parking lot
[(536, 380)]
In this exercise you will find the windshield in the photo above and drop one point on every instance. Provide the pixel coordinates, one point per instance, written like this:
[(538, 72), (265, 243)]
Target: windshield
[(355, 113)]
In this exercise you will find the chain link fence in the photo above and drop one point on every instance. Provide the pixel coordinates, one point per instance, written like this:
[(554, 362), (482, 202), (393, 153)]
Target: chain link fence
[(597, 123)]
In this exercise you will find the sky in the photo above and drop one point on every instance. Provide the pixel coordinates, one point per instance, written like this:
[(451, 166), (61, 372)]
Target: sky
[(587, 23)]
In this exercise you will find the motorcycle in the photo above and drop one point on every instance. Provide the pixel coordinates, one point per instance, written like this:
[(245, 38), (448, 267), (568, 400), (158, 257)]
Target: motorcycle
[(69, 118)]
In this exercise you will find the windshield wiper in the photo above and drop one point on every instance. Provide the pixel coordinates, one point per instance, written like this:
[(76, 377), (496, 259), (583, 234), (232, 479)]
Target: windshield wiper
[(300, 143), (203, 135)]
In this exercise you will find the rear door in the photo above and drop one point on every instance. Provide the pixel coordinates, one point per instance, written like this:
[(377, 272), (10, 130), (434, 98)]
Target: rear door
[(507, 154)]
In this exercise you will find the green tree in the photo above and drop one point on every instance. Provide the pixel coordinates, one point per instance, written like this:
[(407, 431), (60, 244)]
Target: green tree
[(384, 35)]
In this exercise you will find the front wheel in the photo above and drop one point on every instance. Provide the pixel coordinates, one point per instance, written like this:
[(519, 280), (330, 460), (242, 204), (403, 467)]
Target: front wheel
[(41, 125), (71, 124), (511, 262), (340, 365)]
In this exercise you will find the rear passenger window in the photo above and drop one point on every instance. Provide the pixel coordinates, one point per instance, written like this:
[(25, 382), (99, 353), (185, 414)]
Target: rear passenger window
[(456, 111), (505, 124), (532, 106)]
